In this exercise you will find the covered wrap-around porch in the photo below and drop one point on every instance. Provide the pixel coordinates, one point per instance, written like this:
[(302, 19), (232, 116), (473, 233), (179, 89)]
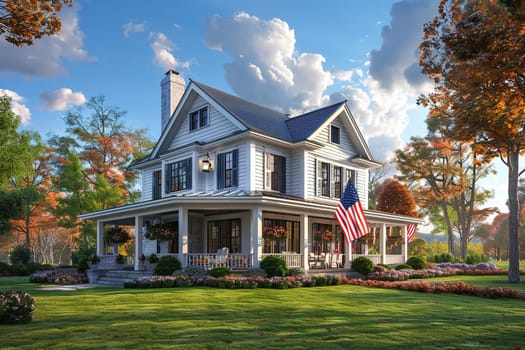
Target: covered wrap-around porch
[(307, 233)]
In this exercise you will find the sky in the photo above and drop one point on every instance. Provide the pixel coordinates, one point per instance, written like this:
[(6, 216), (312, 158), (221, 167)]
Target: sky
[(293, 56)]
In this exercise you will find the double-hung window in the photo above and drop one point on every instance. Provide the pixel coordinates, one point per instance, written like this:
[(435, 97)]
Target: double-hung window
[(227, 169), (325, 179), (157, 184), (332, 179), (178, 175), (275, 173), (335, 134), (199, 119)]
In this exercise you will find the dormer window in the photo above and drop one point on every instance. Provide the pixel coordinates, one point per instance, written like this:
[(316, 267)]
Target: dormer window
[(199, 119), (335, 134)]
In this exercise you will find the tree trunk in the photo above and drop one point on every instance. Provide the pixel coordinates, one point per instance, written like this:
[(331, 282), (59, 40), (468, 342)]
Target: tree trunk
[(449, 228), (514, 218), (464, 246)]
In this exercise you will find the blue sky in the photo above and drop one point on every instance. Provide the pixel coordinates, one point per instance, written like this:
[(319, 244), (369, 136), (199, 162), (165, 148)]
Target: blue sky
[(293, 55)]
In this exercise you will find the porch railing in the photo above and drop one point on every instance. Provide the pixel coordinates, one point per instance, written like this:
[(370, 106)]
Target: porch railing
[(376, 258), (292, 259), (233, 261)]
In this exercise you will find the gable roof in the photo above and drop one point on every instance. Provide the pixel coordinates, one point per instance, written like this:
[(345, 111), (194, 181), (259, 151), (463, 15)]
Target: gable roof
[(264, 120)]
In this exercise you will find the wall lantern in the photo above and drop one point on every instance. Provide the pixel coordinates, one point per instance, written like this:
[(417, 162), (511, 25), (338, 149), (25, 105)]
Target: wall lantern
[(206, 164)]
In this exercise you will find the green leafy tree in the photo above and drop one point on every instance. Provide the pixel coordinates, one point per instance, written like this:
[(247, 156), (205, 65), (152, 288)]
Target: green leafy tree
[(474, 51)]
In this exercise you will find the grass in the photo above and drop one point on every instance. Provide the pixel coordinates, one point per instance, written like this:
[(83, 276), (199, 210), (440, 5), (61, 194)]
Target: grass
[(339, 317)]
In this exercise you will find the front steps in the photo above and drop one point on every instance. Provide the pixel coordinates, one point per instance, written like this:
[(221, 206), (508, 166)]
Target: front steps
[(117, 278)]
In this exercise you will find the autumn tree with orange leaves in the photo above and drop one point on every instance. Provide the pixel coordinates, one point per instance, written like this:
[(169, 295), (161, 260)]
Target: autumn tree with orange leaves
[(474, 52), (23, 21), (394, 197), (445, 175)]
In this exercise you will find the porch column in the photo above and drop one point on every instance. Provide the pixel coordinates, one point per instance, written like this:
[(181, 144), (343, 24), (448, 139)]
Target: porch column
[(405, 245), (183, 235), (305, 243), (382, 244), (139, 222), (100, 237), (348, 257), (256, 235)]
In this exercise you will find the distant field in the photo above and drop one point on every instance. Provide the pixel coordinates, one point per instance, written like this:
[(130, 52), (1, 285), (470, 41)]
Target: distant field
[(340, 317)]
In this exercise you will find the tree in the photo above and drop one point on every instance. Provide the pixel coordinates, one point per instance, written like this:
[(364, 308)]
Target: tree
[(15, 146), (375, 177), (395, 198), (92, 161), (474, 53), (22, 21), (447, 174)]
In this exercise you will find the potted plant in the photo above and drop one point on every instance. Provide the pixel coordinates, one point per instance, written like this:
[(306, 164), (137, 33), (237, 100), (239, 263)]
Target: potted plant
[(151, 262), (93, 261)]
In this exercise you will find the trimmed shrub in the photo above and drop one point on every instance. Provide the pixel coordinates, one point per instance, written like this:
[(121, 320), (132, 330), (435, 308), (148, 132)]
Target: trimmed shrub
[(386, 266), (19, 270), (416, 262), (16, 307), (363, 265), (219, 272), (441, 258), (167, 265), (473, 259), (274, 266), (20, 255), (295, 271), (403, 267), (255, 272), (195, 271), (81, 257)]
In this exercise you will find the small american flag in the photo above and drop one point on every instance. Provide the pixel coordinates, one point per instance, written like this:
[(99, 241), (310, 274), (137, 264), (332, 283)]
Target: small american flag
[(411, 231), (350, 216)]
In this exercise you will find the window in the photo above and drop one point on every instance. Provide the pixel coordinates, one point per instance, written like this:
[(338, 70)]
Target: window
[(325, 179), (332, 179), (199, 119), (157, 184), (178, 176), (335, 134), (338, 183), (227, 169), (292, 242), (275, 173), (224, 233)]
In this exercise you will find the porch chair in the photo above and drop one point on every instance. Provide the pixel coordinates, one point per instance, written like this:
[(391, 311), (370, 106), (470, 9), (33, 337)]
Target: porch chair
[(221, 256), (312, 260), (339, 260), (327, 260)]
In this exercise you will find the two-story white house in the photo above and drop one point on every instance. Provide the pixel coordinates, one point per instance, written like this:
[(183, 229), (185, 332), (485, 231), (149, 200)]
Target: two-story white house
[(225, 170)]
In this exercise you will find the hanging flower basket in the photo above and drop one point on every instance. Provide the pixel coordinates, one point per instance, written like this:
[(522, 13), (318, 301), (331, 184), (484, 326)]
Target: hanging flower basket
[(274, 233), (394, 241), (117, 235), (369, 239), (326, 235), (160, 232)]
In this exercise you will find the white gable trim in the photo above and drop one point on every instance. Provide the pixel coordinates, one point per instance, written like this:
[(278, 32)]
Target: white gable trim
[(192, 87)]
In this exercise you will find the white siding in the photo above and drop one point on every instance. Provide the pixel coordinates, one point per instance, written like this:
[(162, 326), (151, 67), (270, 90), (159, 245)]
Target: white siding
[(258, 176), (338, 153), (147, 184), (219, 126), (295, 174)]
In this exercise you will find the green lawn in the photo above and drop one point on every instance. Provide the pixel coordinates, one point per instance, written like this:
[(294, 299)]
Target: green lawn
[(341, 317)]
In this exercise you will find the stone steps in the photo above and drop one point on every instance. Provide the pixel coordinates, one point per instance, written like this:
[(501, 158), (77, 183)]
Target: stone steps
[(116, 278)]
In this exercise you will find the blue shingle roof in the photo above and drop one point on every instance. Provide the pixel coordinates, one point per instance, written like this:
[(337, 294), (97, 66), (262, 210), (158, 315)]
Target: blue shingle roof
[(268, 121)]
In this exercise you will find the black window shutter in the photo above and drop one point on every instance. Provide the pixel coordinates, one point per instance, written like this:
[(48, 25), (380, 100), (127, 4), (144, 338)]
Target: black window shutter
[(220, 171), (167, 169), (188, 172), (235, 168)]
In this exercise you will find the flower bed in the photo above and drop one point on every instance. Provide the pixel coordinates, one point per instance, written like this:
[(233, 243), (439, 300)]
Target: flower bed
[(58, 277), (16, 307), (231, 282), (441, 287)]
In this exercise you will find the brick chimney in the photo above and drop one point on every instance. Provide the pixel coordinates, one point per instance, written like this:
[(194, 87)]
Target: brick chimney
[(172, 89)]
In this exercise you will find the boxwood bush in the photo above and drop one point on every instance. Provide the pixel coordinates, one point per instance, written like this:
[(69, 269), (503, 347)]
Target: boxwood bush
[(416, 262), (274, 266), (219, 272), (363, 265), (167, 265)]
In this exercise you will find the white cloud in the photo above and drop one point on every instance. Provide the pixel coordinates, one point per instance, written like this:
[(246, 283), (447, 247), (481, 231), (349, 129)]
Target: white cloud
[(162, 56), (17, 105), (61, 99), (131, 27), (44, 58), (266, 68)]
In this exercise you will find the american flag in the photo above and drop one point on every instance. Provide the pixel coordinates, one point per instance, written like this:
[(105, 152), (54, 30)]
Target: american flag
[(349, 214), (411, 231)]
